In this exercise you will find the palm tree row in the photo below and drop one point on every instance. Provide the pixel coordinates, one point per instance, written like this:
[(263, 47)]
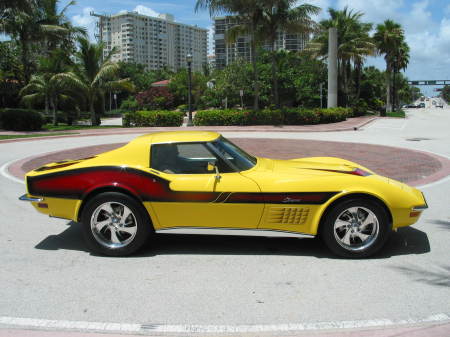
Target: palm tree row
[(262, 20)]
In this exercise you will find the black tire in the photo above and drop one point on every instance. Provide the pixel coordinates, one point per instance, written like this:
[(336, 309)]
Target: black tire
[(128, 237), (357, 248)]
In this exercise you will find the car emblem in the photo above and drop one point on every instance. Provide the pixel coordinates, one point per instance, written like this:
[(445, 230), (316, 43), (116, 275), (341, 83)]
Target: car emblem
[(288, 200)]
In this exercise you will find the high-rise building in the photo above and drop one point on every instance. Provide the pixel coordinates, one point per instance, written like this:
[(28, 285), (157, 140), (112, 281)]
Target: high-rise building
[(227, 53), (155, 42)]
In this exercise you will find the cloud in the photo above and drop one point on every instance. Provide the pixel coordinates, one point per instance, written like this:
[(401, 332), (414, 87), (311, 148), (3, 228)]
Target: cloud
[(145, 10), (87, 21), (375, 11)]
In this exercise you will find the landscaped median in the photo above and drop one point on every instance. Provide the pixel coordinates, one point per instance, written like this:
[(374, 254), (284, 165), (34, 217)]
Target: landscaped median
[(291, 116)]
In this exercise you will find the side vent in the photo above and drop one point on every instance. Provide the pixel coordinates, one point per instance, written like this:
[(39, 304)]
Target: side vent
[(288, 215)]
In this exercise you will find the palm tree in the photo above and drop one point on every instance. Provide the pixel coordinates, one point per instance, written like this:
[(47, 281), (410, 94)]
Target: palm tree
[(354, 44), (31, 22), (46, 86), (94, 74), (248, 16), (59, 31), (400, 62), (279, 16), (389, 37)]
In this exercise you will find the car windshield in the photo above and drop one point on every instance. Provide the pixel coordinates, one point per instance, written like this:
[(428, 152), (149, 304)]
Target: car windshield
[(233, 154)]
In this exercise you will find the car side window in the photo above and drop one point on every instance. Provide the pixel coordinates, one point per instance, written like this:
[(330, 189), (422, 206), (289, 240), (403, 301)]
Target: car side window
[(184, 158)]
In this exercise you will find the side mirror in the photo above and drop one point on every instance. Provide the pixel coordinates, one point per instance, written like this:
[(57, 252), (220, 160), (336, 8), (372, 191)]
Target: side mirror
[(211, 168)]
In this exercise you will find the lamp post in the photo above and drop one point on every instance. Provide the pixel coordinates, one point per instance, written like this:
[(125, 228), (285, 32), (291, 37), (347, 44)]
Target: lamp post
[(189, 64)]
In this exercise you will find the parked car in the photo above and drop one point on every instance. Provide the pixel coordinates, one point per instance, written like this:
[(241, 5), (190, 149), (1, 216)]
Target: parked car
[(422, 105), (200, 183)]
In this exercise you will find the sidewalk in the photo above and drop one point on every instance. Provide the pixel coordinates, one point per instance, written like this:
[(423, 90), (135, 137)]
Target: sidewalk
[(349, 124)]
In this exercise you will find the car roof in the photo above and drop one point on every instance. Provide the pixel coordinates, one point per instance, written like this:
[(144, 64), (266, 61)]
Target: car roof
[(177, 137)]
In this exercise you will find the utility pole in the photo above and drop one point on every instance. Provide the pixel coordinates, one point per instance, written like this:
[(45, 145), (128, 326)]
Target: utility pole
[(332, 68)]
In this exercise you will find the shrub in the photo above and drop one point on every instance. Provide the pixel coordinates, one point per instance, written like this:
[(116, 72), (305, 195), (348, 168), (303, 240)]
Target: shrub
[(152, 118), (222, 117), (21, 120), (183, 108), (291, 116), (155, 98), (265, 117), (129, 104), (360, 108)]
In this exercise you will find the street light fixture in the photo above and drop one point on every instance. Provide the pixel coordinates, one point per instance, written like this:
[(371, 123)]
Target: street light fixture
[(189, 64)]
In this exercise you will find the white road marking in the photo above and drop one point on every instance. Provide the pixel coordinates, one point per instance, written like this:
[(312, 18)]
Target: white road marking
[(193, 328), (5, 173)]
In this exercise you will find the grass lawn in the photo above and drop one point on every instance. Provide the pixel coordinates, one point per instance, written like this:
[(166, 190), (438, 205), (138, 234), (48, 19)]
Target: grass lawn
[(398, 114), (63, 127), (34, 135)]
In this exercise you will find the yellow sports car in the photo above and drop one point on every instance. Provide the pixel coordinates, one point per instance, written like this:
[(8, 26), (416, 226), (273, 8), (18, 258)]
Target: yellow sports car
[(201, 183)]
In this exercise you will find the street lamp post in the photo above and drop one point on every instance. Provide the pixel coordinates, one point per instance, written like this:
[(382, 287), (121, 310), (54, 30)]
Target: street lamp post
[(189, 64)]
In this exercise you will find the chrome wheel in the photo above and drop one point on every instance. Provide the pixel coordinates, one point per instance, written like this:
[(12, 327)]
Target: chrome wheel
[(356, 228), (113, 225)]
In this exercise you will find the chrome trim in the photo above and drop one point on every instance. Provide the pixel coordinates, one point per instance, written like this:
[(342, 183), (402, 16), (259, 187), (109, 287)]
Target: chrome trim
[(232, 231), (419, 208), (25, 197)]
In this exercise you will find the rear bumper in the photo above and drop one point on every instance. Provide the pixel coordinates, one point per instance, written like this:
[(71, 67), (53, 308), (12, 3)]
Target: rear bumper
[(25, 197)]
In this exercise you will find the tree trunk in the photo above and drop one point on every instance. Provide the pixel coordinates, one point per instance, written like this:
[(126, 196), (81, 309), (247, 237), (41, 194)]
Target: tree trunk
[(255, 73), (46, 105), (25, 58), (92, 111), (358, 80), (53, 105), (388, 92), (276, 96)]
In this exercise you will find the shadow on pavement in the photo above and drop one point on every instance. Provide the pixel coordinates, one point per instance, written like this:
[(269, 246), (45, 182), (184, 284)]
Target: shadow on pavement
[(441, 223), (431, 275), (406, 241)]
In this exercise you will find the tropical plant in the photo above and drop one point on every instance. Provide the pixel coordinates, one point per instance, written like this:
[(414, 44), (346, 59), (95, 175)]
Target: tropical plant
[(354, 45), (390, 39), (248, 18), (281, 17), (94, 75), (46, 86)]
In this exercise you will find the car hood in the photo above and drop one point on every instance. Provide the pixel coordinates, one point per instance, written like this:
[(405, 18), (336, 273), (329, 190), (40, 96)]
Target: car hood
[(313, 166)]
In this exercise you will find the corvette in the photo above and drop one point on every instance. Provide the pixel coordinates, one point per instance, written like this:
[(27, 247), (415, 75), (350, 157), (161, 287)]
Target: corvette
[(201, 183)]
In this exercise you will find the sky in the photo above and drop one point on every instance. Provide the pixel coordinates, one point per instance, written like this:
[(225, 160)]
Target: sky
[(426, 24)]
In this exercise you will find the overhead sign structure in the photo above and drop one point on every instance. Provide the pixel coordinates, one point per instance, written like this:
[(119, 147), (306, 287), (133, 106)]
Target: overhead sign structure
[(430, 82)]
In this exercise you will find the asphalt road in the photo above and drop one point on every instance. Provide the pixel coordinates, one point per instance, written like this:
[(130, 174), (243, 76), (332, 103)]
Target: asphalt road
[(46, 272)]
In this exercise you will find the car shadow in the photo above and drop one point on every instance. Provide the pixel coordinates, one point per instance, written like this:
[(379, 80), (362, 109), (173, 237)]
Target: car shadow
[(404, 242)]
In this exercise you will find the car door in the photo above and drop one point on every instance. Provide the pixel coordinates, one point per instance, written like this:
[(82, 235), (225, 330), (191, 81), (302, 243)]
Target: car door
[(195, 197)]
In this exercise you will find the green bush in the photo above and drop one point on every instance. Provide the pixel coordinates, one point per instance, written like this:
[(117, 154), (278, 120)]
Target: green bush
[(21, 120), (360, 108), (129, 104), (153, 118), (221, 117), (292, 116)]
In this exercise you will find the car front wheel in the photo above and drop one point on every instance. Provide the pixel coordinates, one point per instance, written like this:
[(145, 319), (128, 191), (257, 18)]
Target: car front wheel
[(356, 228), (115, 224)]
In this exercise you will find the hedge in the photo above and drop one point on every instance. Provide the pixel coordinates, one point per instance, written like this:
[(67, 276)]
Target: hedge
[(21, 120), (292, 116), (153, 118)]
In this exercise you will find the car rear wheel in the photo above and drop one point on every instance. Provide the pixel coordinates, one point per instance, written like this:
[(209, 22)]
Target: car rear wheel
[(356, 228), (115, 224)]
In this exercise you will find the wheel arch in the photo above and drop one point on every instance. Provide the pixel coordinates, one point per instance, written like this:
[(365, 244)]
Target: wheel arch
[(350, 196), (99, 190)]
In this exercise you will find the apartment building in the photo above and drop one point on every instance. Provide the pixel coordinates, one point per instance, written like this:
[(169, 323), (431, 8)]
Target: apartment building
[(156, 42), (226, 53)]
